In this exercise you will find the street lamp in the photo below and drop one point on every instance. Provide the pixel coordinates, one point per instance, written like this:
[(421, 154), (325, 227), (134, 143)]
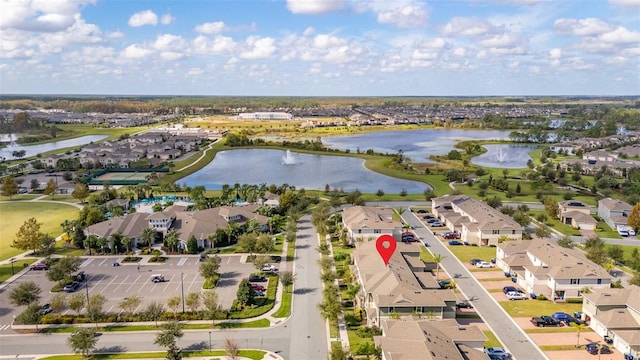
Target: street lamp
[(86, 286), (182, 286), (12, 261), (209, 340)]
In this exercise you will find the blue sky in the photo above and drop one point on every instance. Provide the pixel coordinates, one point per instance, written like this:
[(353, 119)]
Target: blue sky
[(320, 47)]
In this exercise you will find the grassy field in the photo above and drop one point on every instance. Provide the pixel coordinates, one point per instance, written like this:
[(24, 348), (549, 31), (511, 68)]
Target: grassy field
[(466, 253), (6, 272), (249, 354), (492, 340), (14, 214), (531, 308)]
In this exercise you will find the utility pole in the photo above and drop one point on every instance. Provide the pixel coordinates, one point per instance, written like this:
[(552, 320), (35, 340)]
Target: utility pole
[(182, 286)]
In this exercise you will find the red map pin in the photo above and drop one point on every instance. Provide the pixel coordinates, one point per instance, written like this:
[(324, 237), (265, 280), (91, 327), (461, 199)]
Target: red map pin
[(386, 245)]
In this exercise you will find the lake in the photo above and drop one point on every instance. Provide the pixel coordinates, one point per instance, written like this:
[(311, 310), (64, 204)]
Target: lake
[(257, 166), (33, 150), (509, 156)]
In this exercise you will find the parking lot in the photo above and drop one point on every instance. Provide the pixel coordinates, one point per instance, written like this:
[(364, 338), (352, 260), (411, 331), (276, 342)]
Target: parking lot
[(117, 282)]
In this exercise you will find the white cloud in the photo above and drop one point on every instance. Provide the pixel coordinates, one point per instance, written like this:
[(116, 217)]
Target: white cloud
[(620, 36), (258, 48), (210, 28), (460, 26), (409, 16), (136, 52), (580, 27), (145, 17), (115, 34), (555, 53), (309, 31), (195, 71), (40, 15), (324, 41), (625, 3), (218, 45), (167, 19), (314, 6), (169, 42)]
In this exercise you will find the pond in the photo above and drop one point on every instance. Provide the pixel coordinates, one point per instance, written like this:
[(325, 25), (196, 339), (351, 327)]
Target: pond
[(508, 156), (33, 150), (257, 166), (418, 145)]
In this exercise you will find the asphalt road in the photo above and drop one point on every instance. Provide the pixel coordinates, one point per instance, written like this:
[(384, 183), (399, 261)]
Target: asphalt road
[(302, 336), (502, 325)]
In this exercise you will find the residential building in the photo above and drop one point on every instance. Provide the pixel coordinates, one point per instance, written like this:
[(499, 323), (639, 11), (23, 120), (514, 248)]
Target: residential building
[(365, 223), (430, 340), (558, 273), (614, 212), (576, 214), (477, 222), (404, 287), (615, 313), (265, 116)]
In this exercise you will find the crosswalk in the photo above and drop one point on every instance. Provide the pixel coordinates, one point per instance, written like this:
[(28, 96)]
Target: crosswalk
[(5, 327), (108, 261)]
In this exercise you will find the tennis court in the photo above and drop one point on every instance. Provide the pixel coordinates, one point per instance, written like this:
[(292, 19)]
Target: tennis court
[(122, 176)]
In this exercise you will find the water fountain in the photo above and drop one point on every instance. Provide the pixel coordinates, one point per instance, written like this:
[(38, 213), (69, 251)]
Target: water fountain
[(501, 156), (288, 159)]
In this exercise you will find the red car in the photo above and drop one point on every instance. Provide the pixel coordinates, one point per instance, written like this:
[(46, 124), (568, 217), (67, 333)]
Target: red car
[(40, 266), (257, 287), (450, 236)]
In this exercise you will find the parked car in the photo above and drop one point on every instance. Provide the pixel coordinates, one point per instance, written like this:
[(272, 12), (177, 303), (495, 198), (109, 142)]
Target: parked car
[(543, 321), (455, 243), (507, 289), (431, 219), (464, 305), (157, 278), (484, 264), (46, 308), (474, 261), (451, 236), (444, 284), (39, 266), (436, 224), (257, 287), (257, 278), (269, 267), (561, 316), (593, 348), (71, 287), (496, 353), (258, 293), (516, 295), (421, 211), (80, 276)]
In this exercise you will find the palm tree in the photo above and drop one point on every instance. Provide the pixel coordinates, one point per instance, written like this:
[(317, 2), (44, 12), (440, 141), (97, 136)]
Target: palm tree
[(232, 231), (171, 239), (147, 237), (437, 258), (579, 328)]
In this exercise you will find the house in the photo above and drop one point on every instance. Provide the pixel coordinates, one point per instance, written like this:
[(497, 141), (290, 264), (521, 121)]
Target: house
[(477, 222), (364, 223), (576, 214), (614, 212), (544, 268), (403, 287), (270, 199), (615, 313), (430, 340)]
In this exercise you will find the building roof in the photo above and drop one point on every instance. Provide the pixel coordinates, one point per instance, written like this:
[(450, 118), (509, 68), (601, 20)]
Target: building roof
[(631, 337), (618, 318), (615, 204), (479, 213), (130, 225), (362, 217), (579, 217), (616, 297)]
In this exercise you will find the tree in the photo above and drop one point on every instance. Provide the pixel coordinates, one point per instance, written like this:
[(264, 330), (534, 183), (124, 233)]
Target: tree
[(551, 207), (29, 236), (542, 231), (437, 258), (63, 268), (154, 311), (77, 302), (25, 294), (635, 280), (380, 194), (616, 253), (51, 188), (9, 187), (193, 301), (286, 278), (80, 192), (265, 243), (174, 303), (245, 294), (578, 328), (148, 236), (248, 242), (212, 309), (130, 303), (95, 307), (566, 242), (167, 338), (260, 261), (35, 184), (171, 239), (209, 268), (634, 217), (83, 341), (58, 302), (232, 348), (31, 315), (192, 245)]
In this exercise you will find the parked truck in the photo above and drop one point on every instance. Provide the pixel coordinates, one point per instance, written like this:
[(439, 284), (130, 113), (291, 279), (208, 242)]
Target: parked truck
[(544, 321)]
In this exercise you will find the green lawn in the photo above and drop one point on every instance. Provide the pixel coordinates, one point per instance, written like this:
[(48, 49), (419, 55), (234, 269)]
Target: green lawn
[(285, 305), (466, 253), (5, 270), (15, 213), (249, 354), (531, 308), (492, 340)]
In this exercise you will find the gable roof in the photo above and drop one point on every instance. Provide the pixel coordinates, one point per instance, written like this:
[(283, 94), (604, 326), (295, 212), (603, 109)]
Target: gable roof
[(362, 217)]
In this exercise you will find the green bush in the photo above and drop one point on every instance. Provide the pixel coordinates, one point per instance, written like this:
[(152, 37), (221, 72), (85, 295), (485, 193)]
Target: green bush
[(574, 301), (131, 259), (541, 297)]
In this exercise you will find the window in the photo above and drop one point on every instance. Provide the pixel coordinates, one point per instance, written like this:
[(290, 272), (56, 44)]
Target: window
[(377, 231), (599, 281), (575, 281), (495, 232)]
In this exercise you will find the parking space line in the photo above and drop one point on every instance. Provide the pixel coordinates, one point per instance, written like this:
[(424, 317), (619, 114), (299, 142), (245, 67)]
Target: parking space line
[(169, 283), (102, 262), (192, 282), (133, 283), (86, 262), (120, 284), (144, 283), (182, 261)]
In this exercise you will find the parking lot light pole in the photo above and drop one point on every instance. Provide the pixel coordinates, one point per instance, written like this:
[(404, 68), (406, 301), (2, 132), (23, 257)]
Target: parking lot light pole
[(12, 261), (86, 286), (182, 286), (209, 340)]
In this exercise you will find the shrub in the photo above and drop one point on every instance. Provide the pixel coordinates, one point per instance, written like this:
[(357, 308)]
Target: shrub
[(574, 301), (541, 297)]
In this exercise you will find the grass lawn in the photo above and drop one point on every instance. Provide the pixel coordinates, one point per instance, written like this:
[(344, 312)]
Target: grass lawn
[(466, 253), (531, 308), (5, 270), (14, 214), (564, 329), (285, 306), (250, 354), (492, 340)]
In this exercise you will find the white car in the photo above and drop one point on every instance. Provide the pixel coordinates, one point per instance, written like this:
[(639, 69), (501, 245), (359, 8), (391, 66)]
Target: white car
[(516, 295), (269, 267), (484, 264)]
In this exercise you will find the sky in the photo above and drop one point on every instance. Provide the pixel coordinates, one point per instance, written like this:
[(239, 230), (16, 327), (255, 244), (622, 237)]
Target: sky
[(320, 47)]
